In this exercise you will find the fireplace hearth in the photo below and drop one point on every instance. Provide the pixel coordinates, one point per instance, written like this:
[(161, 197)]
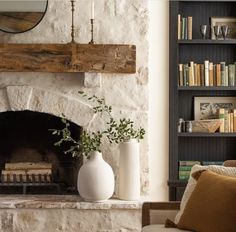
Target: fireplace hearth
[(26, 138)]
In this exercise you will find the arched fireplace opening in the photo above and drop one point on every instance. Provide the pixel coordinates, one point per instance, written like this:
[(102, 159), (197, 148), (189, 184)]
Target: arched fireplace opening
[(26, 139)]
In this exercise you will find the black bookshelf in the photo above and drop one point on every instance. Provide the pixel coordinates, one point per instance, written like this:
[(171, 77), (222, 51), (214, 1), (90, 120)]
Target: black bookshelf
[(196, 146)]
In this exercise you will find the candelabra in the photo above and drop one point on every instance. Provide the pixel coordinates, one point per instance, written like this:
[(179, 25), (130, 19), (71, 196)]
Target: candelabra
[(72, 25), (92, 24)]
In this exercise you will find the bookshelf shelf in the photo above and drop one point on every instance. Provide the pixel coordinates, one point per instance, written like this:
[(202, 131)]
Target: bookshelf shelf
[(207, 41), (196, 146), (204, 88), (206, 134)]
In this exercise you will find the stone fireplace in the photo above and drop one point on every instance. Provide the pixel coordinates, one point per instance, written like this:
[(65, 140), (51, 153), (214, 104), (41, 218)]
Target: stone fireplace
[(51, 94)]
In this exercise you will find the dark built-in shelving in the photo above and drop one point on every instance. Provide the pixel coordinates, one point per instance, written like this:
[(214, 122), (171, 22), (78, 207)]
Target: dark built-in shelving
[(206, 41), (206, 134), (204, 88), (196, 146)]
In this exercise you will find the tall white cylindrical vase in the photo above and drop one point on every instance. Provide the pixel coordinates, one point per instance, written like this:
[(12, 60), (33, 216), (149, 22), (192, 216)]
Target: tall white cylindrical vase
[(129, 170), (96, 179)]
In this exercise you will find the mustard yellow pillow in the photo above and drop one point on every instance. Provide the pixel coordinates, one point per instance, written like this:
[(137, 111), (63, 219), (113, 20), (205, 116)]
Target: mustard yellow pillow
[(212, 205)]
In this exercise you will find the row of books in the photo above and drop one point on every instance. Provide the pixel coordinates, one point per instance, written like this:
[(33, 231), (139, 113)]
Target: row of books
[(186, 166), (228, 117), (185, 27), (207, 74)]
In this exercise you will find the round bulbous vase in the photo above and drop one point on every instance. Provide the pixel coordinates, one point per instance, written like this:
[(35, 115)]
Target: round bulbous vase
[(95, 179), (129, 170)]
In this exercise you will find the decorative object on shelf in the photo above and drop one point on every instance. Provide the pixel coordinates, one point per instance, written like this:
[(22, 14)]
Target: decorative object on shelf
[(203, 30), (92, 23), (188, 126), (206, 126), (129, 170), (224, 21), (217, 31), (224, 31), (207, 107), (96, 179), (125, 134), (18, 16)]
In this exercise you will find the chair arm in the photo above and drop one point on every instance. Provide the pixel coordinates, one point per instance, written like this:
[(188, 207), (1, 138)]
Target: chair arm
[(148, 206)]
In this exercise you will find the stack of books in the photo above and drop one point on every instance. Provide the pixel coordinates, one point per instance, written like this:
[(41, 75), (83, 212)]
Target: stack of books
[(185, 27), (186, 166), (228, 117), (185, 169), (207, 74)]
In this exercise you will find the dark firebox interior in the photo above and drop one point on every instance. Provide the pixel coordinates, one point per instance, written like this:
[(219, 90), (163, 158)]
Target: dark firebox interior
[(25, 136)]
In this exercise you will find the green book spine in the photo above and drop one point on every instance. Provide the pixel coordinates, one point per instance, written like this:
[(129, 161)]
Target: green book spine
[(231, 75), (185, 168), (222, 72), (186, 75), (181, 177), (186, 28), (183, 28)]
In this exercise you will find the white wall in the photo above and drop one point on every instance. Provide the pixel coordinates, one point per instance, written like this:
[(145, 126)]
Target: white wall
[(158, 98)]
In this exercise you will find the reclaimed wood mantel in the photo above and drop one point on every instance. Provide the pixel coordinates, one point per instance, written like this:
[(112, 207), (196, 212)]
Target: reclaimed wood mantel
[(71, 57)]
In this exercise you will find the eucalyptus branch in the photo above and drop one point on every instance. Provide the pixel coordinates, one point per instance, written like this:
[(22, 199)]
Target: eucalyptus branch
[(115, 132)]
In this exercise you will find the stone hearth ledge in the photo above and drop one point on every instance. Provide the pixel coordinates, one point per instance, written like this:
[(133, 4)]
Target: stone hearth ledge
[(63, 202)]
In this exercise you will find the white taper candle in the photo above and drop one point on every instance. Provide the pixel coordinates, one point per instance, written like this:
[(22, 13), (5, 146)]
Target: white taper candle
[(92, 10)]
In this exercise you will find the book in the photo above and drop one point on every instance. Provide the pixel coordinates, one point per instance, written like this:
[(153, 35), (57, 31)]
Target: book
[(222, 73), (226, 75), (234, 113), (221, 115), (186, 28), (191, 74), (198, 75), (185, 168), (211, 79), (214, 75), (205, 163), (202, 71), (186, 74), (226, 121), (218, 75), (231, 122), (181, 75), (186, 177), (182, 28), (231, 75), (190, 27), (188, 163), (179, 26), (195, 74), (206, 65)]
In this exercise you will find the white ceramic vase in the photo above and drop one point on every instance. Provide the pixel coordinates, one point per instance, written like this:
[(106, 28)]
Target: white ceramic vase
[(95, 179), (129, 170)]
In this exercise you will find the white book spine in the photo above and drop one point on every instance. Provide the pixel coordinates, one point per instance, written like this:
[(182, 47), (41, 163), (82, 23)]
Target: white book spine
[(206, 64)]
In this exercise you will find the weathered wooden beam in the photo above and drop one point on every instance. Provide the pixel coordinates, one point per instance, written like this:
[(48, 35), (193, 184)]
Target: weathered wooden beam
[(70, 57)]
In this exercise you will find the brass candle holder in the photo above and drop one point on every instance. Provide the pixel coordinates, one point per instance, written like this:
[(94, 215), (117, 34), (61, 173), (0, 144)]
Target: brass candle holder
[(72, 24), (92, 24)]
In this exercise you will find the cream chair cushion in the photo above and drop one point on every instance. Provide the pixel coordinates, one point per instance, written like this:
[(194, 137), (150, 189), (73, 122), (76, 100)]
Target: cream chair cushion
[(161, 228)]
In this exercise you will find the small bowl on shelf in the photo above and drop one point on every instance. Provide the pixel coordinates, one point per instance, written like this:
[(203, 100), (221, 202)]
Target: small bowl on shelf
[(206, 126)]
